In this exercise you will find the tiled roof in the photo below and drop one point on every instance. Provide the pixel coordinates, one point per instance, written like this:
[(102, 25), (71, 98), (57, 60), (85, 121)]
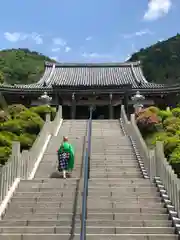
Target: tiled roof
[(95, 74), (106, 74)]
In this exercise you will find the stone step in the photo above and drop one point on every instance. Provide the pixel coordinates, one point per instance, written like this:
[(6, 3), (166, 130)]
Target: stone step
[(93, 222), (100, 205), (94, 216), (92, 198), (109, 192), (108, 211), (125, 175), (113, 165), (114, 171), (95, 196), (123, 181), (89, 237), (89, 230)]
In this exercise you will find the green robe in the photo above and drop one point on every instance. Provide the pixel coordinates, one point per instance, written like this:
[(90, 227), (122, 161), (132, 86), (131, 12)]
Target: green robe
[(68, 148)]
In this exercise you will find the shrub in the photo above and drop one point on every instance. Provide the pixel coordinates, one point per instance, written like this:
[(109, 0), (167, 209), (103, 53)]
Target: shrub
[(4, 116), (13, 126), (154, 137), (42, 110), (171, 120), (26, 121), (4, 141), (30, 122), (26, 140), (174, 160), (170, 143), (172, 124), (4, 154), (153, 109), (9, 135), (176, 112), (146, 121), (164, 114), (15, 109), (175, 155)]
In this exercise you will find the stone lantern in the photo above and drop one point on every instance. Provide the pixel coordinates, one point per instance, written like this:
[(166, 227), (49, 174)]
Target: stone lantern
[(137, 100), (45, 99)]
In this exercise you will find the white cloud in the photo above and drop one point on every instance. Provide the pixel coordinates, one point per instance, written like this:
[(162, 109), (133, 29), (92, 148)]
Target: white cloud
[(67, 49), (59, 41), (18, 36), (15, 36), (54, 58), (138, 33), (95, 55), (55, 49), (89, 38), (36, 37), (157, 9), (62, 45)]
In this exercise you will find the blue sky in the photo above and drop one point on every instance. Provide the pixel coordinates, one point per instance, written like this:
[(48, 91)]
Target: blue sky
[(87, 30)]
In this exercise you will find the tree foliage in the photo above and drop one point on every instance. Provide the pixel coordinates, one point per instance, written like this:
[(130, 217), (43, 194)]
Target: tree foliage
[(21, 66), (161, 61)]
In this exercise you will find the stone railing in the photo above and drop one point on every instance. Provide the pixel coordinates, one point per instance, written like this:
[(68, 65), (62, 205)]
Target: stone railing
[(158, 168), (23, 165)]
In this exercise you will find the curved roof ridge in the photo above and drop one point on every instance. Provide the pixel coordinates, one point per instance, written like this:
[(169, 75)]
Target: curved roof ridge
[(105, 64), (135, 76), (51, 74)]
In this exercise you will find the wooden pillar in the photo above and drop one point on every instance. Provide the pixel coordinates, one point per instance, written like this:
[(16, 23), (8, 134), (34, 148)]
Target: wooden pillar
[(73, 107), (56, 100), (111, 109)]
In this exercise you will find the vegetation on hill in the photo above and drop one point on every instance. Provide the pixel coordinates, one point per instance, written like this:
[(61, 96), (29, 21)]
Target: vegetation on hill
[(161, 62), (19, 123), (21, 66), (160, 125)]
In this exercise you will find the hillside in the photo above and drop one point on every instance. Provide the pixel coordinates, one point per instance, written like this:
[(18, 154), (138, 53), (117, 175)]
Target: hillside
[(161, 62), (21, 66)]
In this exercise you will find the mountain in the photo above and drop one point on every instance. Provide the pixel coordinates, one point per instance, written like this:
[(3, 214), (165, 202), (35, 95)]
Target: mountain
[(21, 66), (161, 61)]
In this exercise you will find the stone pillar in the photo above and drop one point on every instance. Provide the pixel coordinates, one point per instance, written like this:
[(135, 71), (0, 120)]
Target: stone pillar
[(48, 117), (60, 111), (73, 107), (16, 154), (111, 108)]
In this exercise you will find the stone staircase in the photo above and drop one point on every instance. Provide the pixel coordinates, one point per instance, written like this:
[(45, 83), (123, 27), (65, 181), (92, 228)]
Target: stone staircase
[(121, 204), (48, 207)]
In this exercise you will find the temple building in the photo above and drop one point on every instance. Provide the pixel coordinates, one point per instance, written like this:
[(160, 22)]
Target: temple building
[(77, 86)]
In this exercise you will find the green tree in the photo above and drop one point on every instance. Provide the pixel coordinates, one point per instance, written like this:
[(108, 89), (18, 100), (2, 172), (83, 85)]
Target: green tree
[(161, 61), (21, 66), (1, 77)]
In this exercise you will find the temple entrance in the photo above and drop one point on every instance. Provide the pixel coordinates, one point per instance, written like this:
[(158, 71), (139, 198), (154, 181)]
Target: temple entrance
[(66, 112), (100, 112), (82, 112)]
